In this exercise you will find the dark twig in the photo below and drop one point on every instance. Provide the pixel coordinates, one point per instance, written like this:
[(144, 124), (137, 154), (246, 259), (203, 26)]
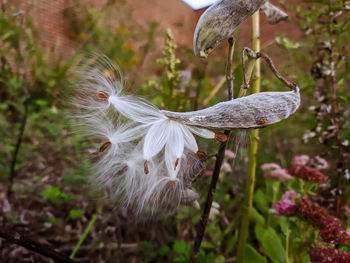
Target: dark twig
[(19, 139), (269, 61), (256, 55), (44, 250), (219, 160)]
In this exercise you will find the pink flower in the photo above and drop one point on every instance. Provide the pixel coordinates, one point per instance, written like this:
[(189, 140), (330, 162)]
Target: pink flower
[(270, 166), (320, 163), (290, 195), (300, 160), (285, 208), (230, 154), (227, 167), (279, 173)]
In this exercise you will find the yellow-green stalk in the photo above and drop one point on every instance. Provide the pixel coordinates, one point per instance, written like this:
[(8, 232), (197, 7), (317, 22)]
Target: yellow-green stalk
[(253, 148)]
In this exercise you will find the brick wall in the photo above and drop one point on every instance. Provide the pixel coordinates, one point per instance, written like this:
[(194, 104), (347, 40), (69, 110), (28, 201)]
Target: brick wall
[(173, 14)]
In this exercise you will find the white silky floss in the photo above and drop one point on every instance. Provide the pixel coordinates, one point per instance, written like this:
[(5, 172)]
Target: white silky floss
[(143, 164)]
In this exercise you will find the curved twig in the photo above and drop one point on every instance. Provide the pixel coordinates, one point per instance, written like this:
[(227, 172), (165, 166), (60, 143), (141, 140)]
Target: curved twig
[(44, 250)]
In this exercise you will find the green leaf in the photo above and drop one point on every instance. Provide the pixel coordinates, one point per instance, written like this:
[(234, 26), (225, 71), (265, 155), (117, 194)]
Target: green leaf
[(206, 244), (182, 252), (251, 255), (260, 201), (256, 216), (54, 220), (305, 257), (231, 242), (273, 247), (75, 213)]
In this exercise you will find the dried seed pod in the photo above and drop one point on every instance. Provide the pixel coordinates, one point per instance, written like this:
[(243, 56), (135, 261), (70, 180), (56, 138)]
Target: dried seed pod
[(253, 111), (219, 21), (273, 14), (192, 172), (188, 196)]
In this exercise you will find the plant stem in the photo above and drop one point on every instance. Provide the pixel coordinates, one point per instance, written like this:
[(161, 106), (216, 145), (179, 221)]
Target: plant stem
[(219, 160), (287, 243), (19, 139), (42, 249), (253, 148), (86, 232)]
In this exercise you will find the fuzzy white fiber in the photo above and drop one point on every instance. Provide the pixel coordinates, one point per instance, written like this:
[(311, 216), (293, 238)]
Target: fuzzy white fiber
[(143, 150)]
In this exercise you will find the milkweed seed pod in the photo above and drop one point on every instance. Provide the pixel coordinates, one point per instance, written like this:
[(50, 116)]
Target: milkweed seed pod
[(273, 14), (189, 198), (219, 21), (253, 111), (149, 158)]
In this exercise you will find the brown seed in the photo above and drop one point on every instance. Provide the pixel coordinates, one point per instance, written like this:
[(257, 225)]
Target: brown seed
[(123, 170), (145, 167), (104, 146), (220, 137), (202, 155), (261, 121), (173, 185), (176, 163), (102, 95)]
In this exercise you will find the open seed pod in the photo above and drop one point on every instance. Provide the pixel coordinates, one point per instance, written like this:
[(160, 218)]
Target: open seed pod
[(253, 111), (189, 198), (219, 21), (273, 14)]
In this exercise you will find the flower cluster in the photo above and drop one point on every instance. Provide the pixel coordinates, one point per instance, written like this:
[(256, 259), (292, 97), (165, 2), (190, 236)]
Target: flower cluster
[(143, 163), (274, 171), (308, 173), (328, 255), (287, 205), (316, 162), (330, 227), (304, 167)]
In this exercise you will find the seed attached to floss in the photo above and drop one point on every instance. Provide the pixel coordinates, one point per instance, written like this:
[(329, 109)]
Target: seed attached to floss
[(173, 185), (176, 163), (102, 95), (202, 155), (220, 137), (145, 167), (123, 170), (104, 146)]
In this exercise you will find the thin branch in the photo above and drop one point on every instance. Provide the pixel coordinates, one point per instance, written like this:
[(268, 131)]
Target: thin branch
[(19, 139), (229, 75), (249, 64), (219, 160), (44, 250), (269, 61)]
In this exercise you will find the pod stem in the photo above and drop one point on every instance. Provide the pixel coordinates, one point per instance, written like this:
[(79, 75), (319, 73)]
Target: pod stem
[(249, 58), (219, 160), (253, 148)]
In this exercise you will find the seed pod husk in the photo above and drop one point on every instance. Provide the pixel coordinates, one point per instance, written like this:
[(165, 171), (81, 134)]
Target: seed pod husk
[(253, 111), (219, 21), (188, 196), (273, 14)]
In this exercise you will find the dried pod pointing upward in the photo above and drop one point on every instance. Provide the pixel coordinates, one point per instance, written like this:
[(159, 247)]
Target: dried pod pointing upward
[(219, 21), (253, 111), (273, 14)]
